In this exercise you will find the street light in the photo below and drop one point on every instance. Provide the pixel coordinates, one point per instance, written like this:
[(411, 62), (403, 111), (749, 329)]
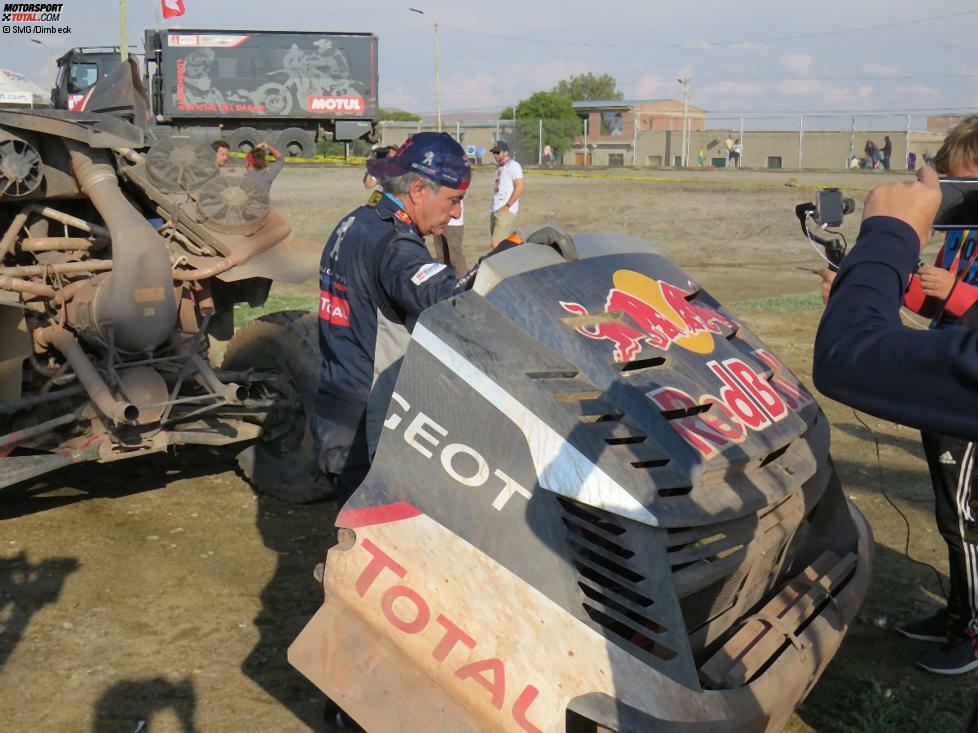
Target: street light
[(52, 55), (437, 68)]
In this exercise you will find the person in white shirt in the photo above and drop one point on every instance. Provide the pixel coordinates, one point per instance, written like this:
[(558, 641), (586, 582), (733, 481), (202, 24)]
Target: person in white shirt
[(506, 194)]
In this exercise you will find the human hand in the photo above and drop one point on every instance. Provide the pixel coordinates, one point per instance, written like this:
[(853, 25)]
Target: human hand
[(827, 277), (914, 203), (935, 281)]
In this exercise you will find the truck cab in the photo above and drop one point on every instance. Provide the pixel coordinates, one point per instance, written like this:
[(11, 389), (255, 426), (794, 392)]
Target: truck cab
[(79, 71)]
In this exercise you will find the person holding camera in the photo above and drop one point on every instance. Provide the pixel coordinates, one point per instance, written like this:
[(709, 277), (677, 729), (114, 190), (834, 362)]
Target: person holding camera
[(925, 379)]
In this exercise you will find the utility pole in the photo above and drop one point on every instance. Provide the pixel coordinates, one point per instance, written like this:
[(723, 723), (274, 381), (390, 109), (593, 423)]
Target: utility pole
[(852, 140), (437, 78), (637, 121), (437, 68), (585, 140), (685, 82), (540, 142), (801, 141), (740, 160), (909, 132), (123, 31)]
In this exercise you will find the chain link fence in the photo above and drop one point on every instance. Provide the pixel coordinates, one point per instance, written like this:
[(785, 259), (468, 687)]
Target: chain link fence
[(667, 139)]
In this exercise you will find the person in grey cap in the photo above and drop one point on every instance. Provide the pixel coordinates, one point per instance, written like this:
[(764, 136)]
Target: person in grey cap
[(506, 193)]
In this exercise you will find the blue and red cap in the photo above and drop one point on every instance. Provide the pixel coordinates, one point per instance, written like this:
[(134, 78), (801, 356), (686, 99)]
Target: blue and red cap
[(434, 155)]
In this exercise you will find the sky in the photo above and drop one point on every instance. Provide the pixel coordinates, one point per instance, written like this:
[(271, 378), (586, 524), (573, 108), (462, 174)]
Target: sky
[(767, 60)]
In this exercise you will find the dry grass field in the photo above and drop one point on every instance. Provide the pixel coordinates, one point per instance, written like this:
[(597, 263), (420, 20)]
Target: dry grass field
[(166, 591)]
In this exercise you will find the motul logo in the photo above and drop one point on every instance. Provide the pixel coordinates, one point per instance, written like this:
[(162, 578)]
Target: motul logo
[(335, 104)]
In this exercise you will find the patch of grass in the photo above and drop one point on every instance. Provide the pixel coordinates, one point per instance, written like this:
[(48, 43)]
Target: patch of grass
[(807, 301), (276, 302), (869, 706)]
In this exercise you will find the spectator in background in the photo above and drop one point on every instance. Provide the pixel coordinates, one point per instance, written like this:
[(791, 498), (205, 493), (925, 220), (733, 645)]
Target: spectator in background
[(221, 152), (887, 151), (911, 161), (701, 157), (737, 150), (506, 194), (259, 169), (378, 152)]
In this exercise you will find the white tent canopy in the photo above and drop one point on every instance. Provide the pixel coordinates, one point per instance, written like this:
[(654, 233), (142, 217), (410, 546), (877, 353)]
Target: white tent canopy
[(17, 90)]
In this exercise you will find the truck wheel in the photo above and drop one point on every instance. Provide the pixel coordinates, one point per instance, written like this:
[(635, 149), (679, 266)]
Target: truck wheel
[(244, 139), (283, 461), (296, 142)]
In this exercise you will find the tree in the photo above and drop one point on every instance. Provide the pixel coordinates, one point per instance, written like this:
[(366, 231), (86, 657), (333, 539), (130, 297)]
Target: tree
[(588, 87), (398, 115), (560, 122)]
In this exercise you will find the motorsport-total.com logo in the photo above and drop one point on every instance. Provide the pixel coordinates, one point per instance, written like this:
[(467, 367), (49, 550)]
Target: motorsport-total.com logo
[(36, 18)]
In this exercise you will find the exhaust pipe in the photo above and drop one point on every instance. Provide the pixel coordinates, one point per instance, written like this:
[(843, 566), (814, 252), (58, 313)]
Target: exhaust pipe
[(231, 392), (137, 298), (116, 410)]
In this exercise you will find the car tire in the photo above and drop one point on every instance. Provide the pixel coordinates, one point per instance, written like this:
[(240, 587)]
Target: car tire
[(283, 462)]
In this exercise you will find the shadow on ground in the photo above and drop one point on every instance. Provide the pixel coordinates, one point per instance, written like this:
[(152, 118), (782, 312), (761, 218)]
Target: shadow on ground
[(131, 706), (87, 480), (300, 536), (25, 588)]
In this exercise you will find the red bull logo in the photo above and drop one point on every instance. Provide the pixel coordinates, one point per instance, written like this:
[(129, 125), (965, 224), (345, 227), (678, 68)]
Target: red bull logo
[(745, 401), (662, 314)]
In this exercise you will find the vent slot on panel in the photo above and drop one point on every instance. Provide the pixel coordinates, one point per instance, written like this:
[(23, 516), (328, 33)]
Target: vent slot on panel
[(775, 455), (674, 491), (553, 374), (631, 368), (610, 579), (686, 411)]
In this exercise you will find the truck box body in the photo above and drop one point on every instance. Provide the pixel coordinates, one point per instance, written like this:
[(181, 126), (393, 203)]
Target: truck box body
[(263, 75)]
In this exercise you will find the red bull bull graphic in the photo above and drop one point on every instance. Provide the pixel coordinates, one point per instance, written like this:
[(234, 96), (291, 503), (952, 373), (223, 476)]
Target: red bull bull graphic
[(662, 313), (641, 311)]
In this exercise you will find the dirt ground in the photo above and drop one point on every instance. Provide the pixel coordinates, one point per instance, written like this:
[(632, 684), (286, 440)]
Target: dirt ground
[(161, 594)]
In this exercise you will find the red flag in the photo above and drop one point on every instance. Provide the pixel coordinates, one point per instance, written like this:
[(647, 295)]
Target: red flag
[(173, 8)]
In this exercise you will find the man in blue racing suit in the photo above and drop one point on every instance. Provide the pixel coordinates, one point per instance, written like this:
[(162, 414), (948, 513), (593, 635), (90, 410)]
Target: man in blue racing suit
[(375, 278)]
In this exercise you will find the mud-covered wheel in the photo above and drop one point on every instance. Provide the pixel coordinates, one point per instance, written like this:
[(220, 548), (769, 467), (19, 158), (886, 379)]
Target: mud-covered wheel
[(295, 141), (244, 139), (282, 463)]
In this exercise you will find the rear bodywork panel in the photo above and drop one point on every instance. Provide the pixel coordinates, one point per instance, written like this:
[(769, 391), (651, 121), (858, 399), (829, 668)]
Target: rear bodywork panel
[(598, 500)]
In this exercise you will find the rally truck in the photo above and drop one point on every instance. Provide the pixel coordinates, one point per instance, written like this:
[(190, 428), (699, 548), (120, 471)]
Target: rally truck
[(599, 503), (289, 89)]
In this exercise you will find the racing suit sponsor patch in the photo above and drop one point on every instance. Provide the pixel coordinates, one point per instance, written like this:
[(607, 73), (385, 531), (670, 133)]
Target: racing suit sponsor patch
[(425, 272), (334, 309)]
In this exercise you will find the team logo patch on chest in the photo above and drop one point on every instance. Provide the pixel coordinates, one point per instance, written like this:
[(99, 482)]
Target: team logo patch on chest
[(426, 272)]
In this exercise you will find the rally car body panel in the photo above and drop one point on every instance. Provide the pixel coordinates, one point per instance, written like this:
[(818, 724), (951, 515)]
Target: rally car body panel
[(596, 494)]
